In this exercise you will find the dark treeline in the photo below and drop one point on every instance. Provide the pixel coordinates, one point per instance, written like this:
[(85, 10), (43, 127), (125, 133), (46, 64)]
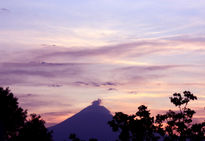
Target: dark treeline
[(172, 126), (16, 125)]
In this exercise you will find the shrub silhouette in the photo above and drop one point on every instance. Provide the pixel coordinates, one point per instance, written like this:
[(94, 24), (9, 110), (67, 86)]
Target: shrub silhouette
[(13, 123), (73, 137)]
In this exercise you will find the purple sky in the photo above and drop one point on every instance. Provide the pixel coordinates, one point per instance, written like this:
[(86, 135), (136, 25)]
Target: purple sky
[(57, 56)]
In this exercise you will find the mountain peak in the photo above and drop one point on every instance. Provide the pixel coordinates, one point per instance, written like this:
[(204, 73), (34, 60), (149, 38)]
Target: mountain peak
[(91, 122), (95, 109)]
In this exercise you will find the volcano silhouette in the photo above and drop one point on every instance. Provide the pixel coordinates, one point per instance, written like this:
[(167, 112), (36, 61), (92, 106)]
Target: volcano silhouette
[(91, 122)]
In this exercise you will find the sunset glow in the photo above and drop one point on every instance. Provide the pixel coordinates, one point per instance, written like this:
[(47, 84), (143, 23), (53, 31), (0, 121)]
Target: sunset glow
[(57, 56)]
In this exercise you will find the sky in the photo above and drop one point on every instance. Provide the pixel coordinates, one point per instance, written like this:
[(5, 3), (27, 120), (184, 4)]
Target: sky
[(57, 56)]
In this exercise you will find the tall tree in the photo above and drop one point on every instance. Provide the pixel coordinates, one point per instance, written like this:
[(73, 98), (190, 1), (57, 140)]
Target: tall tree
[(177, 125), (14, 125), (138, 127), (12, 116)]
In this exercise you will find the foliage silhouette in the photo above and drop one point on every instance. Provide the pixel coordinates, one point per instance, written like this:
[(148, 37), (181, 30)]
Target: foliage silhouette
[(12, 116), (178, 125), (173, 126), (73, 137), (93, 139), (34, 130), (13, 123), (138, 127)]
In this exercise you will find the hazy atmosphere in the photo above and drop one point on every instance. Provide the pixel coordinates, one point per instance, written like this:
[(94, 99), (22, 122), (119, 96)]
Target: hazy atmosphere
[(57, 56)]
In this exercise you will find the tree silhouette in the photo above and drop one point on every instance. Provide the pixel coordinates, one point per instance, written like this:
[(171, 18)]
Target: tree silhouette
[(13, 123), (73, 137), (34, 130), (12, 116), (178, 125), (198, 132), (173, 126), (138, 127), (93, 139)]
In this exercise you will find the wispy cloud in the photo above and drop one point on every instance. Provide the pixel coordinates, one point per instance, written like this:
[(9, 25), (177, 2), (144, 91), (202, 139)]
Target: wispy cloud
[(188, 39), (120, 53), (112, 89), (95, 84), (84, 54), (14, 73), (122, 50), (55, 114), (143, 74), (4, 10), (35, 103), (39, 102), (150, 68)]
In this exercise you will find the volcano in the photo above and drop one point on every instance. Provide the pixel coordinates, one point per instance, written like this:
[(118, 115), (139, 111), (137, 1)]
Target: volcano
[(91, 122)]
